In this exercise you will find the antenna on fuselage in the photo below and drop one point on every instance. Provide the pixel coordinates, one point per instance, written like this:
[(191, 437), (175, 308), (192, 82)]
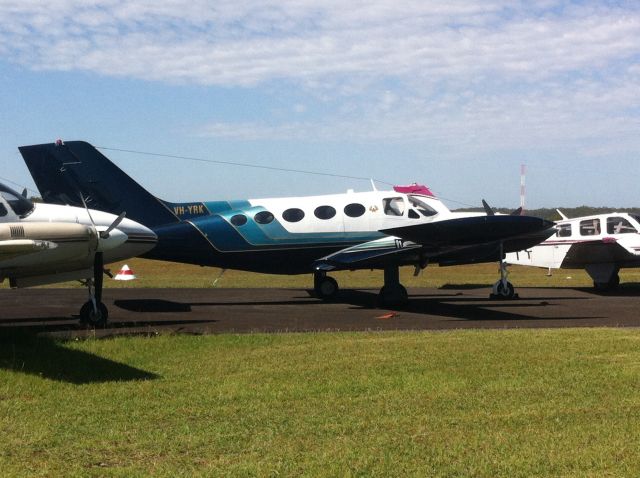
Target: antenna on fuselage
[(373, 184), (562, 215)]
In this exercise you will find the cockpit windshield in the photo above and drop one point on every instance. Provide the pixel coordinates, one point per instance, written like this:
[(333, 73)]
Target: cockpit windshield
[(20, 204), (619, 225), (422, 206)]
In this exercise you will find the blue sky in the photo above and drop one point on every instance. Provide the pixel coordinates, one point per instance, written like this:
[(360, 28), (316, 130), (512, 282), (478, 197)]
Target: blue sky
[(453, 95)]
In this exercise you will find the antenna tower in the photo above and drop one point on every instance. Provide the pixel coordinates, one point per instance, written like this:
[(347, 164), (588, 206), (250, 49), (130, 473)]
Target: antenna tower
[(522, 186)]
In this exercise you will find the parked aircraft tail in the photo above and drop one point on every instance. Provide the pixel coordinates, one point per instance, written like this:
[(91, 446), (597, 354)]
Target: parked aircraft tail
[(67, 172)]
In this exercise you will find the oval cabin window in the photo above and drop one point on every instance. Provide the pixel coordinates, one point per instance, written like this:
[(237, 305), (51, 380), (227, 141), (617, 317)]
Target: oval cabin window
[(263, 217), (293, 215), (354, 210), (324, 212), (239, 220)]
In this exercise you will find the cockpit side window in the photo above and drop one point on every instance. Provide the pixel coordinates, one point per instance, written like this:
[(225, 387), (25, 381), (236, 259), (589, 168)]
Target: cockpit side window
[(3, 210), (422, 207), (619, 225), (20, 205), (590, 227), (564, 230), (393, 206)]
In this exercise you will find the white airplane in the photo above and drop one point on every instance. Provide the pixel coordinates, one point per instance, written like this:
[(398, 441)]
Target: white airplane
[(46, 243), (290, 235), (601, 244)]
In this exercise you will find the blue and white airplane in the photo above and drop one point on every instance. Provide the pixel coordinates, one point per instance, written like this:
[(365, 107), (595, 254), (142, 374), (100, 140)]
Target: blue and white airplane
[(291, 235)]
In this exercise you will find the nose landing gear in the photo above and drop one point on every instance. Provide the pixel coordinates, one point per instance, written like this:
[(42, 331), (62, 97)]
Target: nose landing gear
[(503, 289)]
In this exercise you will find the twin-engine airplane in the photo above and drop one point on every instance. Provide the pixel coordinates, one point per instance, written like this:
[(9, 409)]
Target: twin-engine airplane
[(290, 235), (46, 243), (601, 244)]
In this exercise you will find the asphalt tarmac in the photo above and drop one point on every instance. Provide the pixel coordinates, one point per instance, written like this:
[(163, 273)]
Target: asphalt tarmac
[(204, 311)]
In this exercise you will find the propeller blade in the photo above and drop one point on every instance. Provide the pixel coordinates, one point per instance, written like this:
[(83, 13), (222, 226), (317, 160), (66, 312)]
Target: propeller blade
[(487, 208), (517, 212), (84, 203), (114, 224)]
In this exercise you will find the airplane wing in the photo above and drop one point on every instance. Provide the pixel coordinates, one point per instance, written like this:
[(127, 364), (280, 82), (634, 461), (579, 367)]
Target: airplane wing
[(607, 250), (448, 242), (467, 231), (374, 254)]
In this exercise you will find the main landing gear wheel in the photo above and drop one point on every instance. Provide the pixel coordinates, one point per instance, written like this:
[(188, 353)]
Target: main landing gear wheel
[(326, 288), (94, 313), (95, 317), (393, 295), (503, 290)]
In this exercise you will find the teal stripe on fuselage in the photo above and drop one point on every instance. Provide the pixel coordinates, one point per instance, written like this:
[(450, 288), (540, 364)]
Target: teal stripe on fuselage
[(217, 207), (226, 237), (213, 219), (275, 233)]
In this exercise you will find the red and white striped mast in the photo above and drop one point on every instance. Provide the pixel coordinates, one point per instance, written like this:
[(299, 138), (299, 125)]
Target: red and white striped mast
[(522, 187)]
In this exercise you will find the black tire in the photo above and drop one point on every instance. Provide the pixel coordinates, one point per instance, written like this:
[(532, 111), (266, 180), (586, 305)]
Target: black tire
[(393, 296), (507, 292), (326, 288), (90, 317)]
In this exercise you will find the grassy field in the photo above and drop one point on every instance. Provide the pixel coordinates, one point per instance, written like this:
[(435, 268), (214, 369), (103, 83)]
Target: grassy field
[(465, 403), (462, 403), (167, 274)]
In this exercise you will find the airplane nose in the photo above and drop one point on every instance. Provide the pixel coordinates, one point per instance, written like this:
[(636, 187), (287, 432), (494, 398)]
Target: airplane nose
[(116, 238)]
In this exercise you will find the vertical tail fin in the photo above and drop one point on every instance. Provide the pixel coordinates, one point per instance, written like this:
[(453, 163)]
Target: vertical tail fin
[(63, 172)]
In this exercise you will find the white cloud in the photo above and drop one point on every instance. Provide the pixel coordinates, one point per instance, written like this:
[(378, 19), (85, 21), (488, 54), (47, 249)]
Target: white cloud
[(246, 43), (491, 73)]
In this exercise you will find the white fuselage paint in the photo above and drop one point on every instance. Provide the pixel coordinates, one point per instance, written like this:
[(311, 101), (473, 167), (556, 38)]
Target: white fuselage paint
[(382, 210), (621, 228), (68, 242)]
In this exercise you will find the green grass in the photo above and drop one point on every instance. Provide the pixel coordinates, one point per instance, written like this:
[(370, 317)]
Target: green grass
[(463, 403), (152, 274)]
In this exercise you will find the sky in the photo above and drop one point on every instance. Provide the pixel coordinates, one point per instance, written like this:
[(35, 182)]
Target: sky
[(455, 95)]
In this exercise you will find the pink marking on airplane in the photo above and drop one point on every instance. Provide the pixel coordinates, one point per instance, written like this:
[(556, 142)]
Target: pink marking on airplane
[(414, 188)]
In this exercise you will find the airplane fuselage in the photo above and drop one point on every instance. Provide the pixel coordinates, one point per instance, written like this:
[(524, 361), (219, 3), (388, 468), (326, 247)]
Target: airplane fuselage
[(601, 244), (62, 243), (289, 235), (286, 235)]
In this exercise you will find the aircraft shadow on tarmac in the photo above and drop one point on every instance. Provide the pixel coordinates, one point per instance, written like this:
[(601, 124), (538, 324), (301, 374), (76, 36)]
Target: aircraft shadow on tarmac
[(166, 306), (26, 352), (449, 306), (152, 305), (628, 289), (455, 306)]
